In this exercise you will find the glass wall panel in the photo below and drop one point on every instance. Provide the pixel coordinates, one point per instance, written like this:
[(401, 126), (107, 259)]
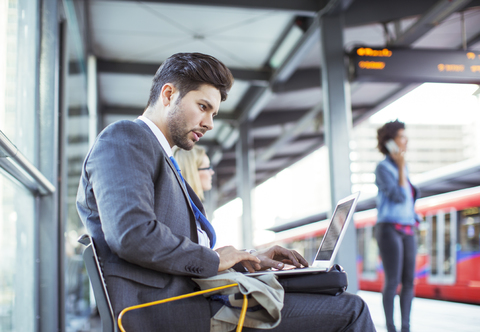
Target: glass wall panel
[(17, 284), (19, 74), (18, 63), (78, 304)]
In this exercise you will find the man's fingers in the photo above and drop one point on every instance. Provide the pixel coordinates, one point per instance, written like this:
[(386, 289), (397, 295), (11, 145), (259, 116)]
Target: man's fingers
[(295, 258), (291, 257), (229, 256), (250, 266), (277, 256), (250, 262), (250, 257), (271, 263), (300, 258)]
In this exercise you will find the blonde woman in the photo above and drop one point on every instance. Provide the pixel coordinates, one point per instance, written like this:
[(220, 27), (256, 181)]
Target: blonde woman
[(196, 169)]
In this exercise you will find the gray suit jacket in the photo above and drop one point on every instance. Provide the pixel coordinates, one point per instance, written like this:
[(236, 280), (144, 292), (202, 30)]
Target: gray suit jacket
[(131, 200)]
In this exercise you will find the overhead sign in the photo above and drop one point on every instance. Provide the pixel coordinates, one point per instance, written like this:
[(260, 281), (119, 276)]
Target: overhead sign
[(415, 65)]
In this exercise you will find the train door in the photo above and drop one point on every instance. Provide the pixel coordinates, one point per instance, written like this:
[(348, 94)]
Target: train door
[(368, 251), (442, 247)]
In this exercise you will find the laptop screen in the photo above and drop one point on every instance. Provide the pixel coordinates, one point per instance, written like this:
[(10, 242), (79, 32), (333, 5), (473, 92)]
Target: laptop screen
[(333, 232)]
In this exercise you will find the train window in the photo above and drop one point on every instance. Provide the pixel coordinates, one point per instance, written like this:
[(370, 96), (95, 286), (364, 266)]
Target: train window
[(447, 238), (422, 233), (434, 246), (470, 230), (361, 243), (371, 257), (367, 251)]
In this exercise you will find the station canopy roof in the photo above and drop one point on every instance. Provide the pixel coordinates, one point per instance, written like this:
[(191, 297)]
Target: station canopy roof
[(273, 50)]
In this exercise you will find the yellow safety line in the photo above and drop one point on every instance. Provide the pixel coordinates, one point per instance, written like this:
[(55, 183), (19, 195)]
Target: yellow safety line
[(240, 321)]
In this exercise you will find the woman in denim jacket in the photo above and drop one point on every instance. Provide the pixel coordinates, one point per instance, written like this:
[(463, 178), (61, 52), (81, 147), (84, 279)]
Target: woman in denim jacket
[(396, 222)]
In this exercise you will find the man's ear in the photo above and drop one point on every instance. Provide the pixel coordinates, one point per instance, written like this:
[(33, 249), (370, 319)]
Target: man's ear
[(166, 94)]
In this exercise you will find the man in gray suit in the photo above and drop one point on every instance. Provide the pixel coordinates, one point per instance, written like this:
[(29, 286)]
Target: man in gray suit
[(149, 226)]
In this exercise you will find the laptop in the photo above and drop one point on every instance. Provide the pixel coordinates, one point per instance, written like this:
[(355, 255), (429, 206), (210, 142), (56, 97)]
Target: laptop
[(331, 241)]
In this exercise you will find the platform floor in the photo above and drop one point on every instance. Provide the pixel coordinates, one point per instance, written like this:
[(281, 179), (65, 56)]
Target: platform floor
[(427, 315)]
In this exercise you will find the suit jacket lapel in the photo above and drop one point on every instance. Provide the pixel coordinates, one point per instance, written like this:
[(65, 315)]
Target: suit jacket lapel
[(180, 182)]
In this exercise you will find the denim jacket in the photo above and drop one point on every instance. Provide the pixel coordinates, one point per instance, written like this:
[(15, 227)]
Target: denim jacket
[(395, 204)]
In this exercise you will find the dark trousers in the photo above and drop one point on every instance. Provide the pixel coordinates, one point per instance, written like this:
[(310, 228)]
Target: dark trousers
[(300, 313), (398, 252), (316, 312)]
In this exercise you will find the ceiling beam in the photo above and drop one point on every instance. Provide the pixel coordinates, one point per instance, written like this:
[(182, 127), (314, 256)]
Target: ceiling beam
[(260, 76), (387, 100), (256, 103), (356, 12), (272, 118), (265, 119), (229, 182), (302, 79), (304, 7), (121, 110), (434, 16), (473, 40), (373, 11), (304, 122), (309, 39), (337, 7), (137, 111)]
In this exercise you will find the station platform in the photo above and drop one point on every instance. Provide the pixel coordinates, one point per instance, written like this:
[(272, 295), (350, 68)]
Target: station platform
[(427, 315)]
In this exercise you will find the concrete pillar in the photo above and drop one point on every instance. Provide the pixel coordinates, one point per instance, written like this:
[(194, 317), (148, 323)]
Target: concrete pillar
[(338, 123), (92, 99), (246, 180)]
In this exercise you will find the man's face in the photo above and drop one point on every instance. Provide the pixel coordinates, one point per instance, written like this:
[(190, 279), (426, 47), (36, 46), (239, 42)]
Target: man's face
[(192, 116)]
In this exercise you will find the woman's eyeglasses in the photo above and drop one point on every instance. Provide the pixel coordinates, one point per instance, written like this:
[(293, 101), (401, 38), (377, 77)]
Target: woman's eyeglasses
[(206, 168)]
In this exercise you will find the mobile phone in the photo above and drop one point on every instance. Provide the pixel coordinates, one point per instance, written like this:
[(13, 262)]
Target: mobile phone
[(391, 146)]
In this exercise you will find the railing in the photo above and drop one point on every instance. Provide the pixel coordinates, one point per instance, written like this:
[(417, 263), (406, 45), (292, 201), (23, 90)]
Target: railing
[(15, 164)]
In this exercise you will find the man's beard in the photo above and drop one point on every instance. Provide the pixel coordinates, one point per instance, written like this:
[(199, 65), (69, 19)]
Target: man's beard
[(178, 128)]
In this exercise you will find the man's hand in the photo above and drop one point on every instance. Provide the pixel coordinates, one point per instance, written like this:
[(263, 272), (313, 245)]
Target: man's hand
[(276, 257), (229, 256)]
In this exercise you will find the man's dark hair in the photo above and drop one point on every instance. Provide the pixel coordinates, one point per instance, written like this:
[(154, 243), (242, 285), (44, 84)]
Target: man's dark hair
[(388, 131), (188, 71)]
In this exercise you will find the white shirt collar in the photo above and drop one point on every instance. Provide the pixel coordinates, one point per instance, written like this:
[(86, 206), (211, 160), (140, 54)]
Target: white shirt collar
[(158, 134)]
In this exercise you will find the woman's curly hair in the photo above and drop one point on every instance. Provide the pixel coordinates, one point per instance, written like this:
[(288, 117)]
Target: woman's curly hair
[(388, 131)]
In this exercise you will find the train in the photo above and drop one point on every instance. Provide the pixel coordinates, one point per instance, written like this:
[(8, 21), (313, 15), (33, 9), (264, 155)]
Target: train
[(448, 255)]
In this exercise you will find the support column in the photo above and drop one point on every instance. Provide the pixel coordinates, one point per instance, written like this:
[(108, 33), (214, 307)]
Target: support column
[(50, 239), (211, 197), (246, 179), (92, 100), (338, 123)]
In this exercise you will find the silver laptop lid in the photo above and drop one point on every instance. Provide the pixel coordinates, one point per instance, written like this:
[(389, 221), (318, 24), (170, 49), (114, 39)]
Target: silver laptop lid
[(335, 232)]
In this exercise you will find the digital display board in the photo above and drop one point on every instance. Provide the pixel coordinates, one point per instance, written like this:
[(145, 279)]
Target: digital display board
[(415, 65)]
